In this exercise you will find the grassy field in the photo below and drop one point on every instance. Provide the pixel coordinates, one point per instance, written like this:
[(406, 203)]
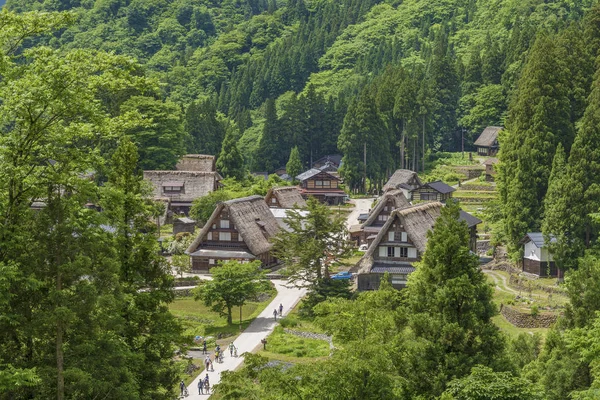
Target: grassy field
[(512, 330), (290, 348), (199, 320)]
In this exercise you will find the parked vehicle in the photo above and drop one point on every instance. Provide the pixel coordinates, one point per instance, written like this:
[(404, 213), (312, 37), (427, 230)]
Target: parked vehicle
[(342, 275), (363, 247)]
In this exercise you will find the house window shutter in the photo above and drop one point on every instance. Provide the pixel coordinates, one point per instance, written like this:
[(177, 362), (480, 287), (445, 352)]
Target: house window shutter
[(391, 236), (382, 251), (404, 238)]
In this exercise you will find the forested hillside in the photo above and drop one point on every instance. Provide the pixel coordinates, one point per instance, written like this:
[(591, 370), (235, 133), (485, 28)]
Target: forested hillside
[(403, 77)]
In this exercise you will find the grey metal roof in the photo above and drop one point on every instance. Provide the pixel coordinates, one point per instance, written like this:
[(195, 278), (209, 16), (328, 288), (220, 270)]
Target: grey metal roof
[(469, 219), (222, 254), (363, 217), (308, 174), (186, 220), (537, 238), (392, 269), (440, 187)]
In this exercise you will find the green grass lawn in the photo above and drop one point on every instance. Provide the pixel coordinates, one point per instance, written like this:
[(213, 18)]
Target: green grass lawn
[(199, 320), (512, 330), (287, 347)]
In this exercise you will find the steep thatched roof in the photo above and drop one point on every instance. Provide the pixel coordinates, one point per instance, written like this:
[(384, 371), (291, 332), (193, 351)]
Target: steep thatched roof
[(417, 221), (395, 196), (287, 197), (195, 184), (405, 177), (196, 162), (488, 136), (251, 217)]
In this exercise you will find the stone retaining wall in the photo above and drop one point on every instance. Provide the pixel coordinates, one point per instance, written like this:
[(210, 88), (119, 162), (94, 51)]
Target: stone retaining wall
[(524, 320), (311, 335)]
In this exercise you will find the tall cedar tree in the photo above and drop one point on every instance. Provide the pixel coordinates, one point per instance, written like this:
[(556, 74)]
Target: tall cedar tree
[(294, 165), (449, 310), (584, 168), (363, 134), (558, 220), (205, 132), (150, 330), (231, 162), (268, 146), (538, 119)]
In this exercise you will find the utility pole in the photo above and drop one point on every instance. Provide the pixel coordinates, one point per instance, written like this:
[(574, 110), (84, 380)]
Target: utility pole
[(462, 141), (423, 160), (365, 169)]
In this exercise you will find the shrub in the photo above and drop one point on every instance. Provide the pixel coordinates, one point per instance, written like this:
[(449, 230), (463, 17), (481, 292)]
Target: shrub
[(288, 322), (535, 310)]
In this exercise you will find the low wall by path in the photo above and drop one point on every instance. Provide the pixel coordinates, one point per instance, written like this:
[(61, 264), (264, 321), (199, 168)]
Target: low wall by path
[(524, 320)]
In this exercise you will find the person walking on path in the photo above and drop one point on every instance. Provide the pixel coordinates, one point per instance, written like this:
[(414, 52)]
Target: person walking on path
[(204, 347), (275, 314), (231, 347), (207, 384), (280, 310), (200, 386), (182, 388)]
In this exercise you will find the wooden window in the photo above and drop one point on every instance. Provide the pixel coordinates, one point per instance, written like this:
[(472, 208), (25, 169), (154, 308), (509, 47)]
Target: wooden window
[(225, 236), (273, 200), (403, 252), (173, 189), (334, 184), (404, 237), (310, 184), (390, 236), (211, 261), (390, 251), (224, 224), (209, 236), (327, 184), (382, 218), (318, 184), (382, 251)]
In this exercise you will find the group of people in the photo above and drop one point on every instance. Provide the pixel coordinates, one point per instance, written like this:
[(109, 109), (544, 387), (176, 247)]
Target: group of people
[(280, 313), (204, 384)]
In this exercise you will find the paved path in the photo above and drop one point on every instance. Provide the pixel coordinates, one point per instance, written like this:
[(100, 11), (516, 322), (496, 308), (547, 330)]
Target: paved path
[(361, 206), (250, 339)]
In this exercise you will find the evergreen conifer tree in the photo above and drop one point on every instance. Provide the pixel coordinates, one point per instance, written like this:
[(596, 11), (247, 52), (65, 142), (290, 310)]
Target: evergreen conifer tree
[(449, 310), (539, 118), (584, 168), (294, 165), (558, 220), (267, 155), (231, 162)]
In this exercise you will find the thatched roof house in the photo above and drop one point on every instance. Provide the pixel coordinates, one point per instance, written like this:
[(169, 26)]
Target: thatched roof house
[(390, 201), (401, 242), (324, 186), (182, 187), (285, 197), (487, 142), (433, 191), (405, 180), (196, 162), (238, 229)]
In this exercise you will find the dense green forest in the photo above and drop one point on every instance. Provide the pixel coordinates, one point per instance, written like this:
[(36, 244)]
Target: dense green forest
[(406, 78), (95, 90)]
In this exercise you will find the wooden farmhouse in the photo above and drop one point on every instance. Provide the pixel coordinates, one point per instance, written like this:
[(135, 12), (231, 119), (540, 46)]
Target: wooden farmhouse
[(239, 230), (490, 171), (405, 180), (433, 191), (400, 243), (376, 219), (196, 162), (487, 142), (181, 187), (321, 185), (536, 258), (285, 197)]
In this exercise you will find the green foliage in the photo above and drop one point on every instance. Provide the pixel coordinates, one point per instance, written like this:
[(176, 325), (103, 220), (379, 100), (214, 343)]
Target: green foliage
[(232, 285), (294, 165), (583, 289), (323, 290), (449, 306), (280, 342), (485, 384), (230, 162), (181, 263), (311, 244), (203, 207)]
